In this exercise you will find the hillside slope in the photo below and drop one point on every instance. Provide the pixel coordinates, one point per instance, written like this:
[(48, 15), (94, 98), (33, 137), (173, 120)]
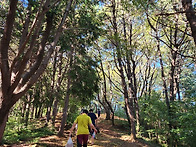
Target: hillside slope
[(109, 136)]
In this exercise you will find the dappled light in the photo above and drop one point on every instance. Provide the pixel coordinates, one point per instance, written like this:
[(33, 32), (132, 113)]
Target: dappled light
[(132, 63), (49, 138), (125, 137), (109, 136)]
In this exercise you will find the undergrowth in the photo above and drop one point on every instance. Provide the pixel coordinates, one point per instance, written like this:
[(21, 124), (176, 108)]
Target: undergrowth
[(16, 132)]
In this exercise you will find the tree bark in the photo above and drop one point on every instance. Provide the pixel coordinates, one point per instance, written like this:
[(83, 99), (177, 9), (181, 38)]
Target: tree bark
[(17, 80), (191, 17), (129, 102), (3, 125), (66, 102), (58, 85), (109, 107)]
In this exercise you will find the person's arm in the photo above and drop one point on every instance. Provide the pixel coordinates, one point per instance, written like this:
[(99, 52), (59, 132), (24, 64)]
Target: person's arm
[(72, 128), (95, 116), (93, 127)]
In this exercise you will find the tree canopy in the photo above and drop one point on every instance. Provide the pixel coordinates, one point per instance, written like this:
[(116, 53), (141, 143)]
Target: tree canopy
[(135, 59)]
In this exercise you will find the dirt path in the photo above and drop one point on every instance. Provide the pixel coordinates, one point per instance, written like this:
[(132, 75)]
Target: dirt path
[(109, 136), (114, 136)]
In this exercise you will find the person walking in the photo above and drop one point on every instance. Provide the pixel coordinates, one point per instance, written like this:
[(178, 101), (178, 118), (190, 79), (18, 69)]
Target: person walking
[(99, 112), (93, 119), (92, 116), (83, 121)]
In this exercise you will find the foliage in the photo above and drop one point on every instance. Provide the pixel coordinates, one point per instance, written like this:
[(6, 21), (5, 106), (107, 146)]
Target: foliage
[(74, 111), (188, 84), (120, 112), (187, 111), (84, 80), (3, 11), (154, 116), (187, 124), (84, 26), (32, 133)]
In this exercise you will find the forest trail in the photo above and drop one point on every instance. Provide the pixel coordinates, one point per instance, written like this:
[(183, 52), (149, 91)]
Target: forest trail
[(109, 136)]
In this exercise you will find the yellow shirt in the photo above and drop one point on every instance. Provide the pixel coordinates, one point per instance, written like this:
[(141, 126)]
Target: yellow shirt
[(83, 122)]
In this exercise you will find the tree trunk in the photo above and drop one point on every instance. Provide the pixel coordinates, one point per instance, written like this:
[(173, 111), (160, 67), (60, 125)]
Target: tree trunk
[(39, 111), (32, 111), (105, 107), (55, 110), (24, 109), (111, 97), (191, 17), (58, 85), (109, 107), (131, 75), (107, 111), (17, 80), (129, 103), (5, 75), (28, 109), (66, 102), (169, 139), (3, 125), (48, 116), (36, 112)]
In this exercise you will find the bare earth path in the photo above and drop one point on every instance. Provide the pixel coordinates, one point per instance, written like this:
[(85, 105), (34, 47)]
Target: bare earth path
[(109, 136)]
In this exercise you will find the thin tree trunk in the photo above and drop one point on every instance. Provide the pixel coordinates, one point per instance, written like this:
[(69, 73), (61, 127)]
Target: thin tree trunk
[(58, 85), (105, 107), (48, 116), (55, 111), (28, 109), (111, 96), (32, 111), (52, 90), (66, 102), (129, 102), (39, 111), (107, 111), (105, 95), (64, 118), (191, 17), (3, 125), (24, 109), (165, 89)]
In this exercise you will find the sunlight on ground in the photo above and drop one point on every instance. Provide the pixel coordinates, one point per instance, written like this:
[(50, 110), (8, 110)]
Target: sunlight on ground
[(125, 138), (49, 138), (106, 135), (109, 136), (53, 141), (106, 141)]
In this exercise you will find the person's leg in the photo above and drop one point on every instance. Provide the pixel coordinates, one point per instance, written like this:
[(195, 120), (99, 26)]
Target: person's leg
[(92, 138), (90, 130), (85, 140), (79, 140)]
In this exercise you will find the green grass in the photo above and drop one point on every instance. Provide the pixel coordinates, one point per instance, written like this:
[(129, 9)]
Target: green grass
[(30, 134)]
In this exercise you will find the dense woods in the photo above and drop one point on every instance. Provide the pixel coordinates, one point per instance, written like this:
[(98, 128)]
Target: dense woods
[(132, 59)]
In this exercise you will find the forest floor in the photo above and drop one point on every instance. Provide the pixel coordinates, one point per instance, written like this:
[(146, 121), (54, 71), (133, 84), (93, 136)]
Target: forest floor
[(109, 136)]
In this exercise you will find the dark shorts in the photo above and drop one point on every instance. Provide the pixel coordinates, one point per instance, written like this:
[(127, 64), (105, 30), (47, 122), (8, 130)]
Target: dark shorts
[(82, 139)]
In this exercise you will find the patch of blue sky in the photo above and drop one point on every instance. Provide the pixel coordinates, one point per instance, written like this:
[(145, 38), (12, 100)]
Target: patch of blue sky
[(24, 2), (101, 4)]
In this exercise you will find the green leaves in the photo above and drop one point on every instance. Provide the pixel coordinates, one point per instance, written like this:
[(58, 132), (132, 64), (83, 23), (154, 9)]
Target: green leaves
[(15, 131), (84, 79)]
